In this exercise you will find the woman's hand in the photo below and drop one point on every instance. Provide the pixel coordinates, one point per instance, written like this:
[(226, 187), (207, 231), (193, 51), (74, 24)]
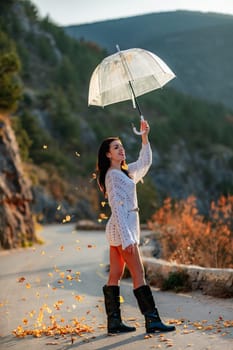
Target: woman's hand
[(146, 128)]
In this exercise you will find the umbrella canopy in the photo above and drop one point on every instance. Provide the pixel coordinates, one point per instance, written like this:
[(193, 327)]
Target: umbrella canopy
[(126, 75)]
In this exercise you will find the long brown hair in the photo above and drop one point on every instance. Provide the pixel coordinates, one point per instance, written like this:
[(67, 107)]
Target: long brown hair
[(104, 163)]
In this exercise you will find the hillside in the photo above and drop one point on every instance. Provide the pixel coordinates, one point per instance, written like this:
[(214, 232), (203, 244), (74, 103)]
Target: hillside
[(59, 134), (197, 46)]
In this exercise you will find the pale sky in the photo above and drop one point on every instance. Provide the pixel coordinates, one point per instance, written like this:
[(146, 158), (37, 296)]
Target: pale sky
[(65, 12)]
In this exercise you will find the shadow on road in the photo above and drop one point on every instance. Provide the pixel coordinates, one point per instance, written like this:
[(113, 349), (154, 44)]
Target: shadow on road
[(113, 342)]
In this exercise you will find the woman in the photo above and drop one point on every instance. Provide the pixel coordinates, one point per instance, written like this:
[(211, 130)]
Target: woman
[(118, 183)]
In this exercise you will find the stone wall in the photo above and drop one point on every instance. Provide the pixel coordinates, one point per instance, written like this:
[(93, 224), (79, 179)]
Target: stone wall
[(211, 281)]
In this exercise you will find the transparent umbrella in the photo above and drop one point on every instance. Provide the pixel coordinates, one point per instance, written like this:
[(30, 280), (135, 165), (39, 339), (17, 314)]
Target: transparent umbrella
[(126, 75)]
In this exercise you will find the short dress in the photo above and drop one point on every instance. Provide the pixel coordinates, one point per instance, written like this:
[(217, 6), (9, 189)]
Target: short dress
[(123, 225)]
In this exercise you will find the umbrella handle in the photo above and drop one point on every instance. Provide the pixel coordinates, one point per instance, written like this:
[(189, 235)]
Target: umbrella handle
[(136, 131)]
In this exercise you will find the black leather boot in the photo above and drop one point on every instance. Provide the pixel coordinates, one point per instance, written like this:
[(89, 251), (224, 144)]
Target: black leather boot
[(147, 307), (112, 307)]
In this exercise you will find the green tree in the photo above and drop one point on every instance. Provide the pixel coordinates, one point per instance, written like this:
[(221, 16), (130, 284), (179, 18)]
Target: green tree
[(10, 86)]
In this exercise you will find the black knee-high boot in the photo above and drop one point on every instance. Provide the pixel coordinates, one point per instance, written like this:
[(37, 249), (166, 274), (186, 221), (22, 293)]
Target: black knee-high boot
[(147, 307), (112, 307)]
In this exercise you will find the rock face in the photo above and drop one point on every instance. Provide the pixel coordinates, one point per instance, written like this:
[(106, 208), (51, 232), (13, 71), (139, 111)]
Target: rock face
[(16, 223)]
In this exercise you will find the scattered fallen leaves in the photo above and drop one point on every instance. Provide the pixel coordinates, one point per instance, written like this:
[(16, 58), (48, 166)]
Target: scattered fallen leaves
[(219, 326), (40, 328), (79, 297), (228, 323), (45, 323), (53, 329), (148, 336)]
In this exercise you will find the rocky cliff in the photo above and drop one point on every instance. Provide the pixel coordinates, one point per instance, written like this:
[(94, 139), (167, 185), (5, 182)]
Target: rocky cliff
[(16, 222)]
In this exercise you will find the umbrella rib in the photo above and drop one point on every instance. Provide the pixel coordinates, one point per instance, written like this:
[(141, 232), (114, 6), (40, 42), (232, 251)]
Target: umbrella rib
[(128, 73)]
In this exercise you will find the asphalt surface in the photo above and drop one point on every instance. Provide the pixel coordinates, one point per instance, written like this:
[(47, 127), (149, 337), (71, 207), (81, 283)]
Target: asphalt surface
[(60, 283)]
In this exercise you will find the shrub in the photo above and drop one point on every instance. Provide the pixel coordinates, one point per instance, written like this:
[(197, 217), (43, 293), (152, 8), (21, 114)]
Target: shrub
[(189, 238), (177, 281)]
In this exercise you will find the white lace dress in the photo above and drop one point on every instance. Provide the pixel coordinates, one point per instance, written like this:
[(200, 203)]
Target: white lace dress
[(123, 225)]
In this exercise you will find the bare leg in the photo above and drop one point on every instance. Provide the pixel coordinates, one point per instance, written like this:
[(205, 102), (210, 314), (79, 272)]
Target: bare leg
[(117, 266), (112, 294), (134, 263)]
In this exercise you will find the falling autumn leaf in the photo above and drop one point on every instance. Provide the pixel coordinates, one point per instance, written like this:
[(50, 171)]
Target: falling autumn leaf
[(66, 219), (58, 304), (25, 321), (32, 313), (69, 277), (21, 279), (103, 216), (121, 299), (40, 316)]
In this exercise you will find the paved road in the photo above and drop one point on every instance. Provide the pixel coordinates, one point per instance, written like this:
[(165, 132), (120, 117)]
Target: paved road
[(63, 279)]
